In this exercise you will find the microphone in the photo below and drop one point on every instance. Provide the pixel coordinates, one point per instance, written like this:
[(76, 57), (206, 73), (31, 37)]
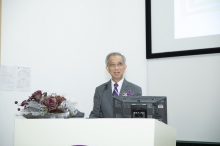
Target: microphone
[(100, 99)]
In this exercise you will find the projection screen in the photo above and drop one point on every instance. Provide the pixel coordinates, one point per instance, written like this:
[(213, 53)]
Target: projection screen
[(179, 28)]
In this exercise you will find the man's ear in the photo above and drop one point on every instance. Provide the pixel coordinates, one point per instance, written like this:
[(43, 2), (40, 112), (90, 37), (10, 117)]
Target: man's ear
[(107, 68)]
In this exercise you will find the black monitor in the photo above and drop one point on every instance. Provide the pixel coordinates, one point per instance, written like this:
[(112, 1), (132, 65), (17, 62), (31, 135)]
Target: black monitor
[(141, 107)]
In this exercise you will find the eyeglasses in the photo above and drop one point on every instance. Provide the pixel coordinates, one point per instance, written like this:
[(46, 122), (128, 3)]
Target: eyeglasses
[(119, 65)]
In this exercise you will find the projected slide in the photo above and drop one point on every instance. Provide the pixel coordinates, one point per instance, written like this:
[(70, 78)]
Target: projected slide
[(182, 27), (195, 18)]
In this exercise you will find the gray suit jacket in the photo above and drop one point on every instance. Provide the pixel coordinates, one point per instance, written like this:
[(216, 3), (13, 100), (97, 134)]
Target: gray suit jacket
[(103, 95)]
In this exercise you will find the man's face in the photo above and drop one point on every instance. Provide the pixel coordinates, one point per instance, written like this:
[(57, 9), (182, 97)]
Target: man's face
[(116, 67)]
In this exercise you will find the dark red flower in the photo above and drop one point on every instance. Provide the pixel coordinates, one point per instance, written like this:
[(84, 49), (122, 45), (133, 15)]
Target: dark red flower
[(36, 96), (50, 102), (16, 102)]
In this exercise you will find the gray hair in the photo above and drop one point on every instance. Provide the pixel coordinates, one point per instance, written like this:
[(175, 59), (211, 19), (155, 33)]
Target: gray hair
[(113, 54)]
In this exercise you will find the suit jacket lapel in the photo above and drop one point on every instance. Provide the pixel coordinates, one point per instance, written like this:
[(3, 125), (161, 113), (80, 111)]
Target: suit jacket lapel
[(124, 88), (109, 92)]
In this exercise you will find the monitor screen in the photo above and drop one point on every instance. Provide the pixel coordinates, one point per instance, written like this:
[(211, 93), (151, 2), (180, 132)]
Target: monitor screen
[(141, 107)]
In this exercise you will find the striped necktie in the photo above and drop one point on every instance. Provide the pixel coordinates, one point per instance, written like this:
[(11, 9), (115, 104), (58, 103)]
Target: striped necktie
[(115, 92)]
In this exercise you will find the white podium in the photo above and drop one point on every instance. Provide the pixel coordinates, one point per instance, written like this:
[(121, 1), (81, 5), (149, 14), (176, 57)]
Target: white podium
[(93, 132)]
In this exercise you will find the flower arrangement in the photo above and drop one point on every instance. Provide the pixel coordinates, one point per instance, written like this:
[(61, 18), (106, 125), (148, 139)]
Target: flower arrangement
[(128, 93), (41, 105)]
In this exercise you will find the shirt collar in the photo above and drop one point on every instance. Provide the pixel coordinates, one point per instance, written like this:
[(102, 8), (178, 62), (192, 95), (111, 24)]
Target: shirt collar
[(119, 84)]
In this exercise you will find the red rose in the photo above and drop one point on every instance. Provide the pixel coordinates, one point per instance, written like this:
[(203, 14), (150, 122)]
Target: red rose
[(36, 96), (50, 102)]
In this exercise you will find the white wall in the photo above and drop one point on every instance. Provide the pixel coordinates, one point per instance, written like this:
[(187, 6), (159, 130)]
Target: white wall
[(65, 44), (191, 85)]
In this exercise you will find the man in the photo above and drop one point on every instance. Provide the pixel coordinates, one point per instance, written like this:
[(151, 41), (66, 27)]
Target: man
[(117, 86)]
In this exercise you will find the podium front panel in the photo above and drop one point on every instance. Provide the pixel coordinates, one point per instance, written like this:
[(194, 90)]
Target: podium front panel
[(89, 132)]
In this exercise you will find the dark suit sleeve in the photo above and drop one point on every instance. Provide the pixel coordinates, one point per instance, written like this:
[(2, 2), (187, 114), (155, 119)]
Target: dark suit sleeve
[(96, 112)]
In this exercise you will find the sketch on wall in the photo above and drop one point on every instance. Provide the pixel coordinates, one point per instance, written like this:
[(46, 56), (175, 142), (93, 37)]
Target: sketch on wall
[(15, 78)]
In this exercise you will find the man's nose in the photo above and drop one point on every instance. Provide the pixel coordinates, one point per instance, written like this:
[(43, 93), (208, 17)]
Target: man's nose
[(116, 66)]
